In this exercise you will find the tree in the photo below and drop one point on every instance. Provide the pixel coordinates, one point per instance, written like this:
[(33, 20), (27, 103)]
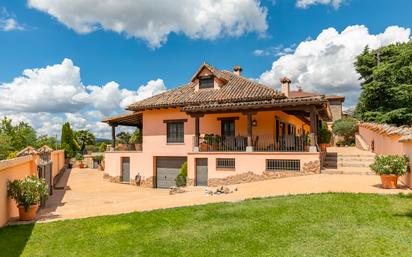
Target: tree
[(83, 138), (346, 128), (386, 75), (123, 137), (68, 143), (46, 140)]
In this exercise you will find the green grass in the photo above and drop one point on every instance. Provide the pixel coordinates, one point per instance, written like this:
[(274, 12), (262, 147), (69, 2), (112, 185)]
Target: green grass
[(306, 225)]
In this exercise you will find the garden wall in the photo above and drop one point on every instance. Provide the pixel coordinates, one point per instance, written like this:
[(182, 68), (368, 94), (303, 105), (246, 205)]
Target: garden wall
[(386, 139), (19, 168)]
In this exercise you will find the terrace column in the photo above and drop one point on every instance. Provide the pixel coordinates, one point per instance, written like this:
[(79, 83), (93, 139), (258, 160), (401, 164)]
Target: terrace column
[(197, 134), (249, 147), (313, 130), (113, 136)]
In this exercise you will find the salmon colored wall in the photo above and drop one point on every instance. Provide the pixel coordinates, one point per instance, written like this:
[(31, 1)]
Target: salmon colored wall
[(389, 144), (155, 140), (245, 162), (9, 170), (57, 157)]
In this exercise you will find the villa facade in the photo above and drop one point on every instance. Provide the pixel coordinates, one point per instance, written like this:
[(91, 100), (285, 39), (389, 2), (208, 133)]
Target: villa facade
[(227, 127)]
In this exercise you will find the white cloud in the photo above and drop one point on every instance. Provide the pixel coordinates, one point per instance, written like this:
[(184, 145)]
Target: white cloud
[(306, 3), (47, 97), (153, 21), (8, 22), (325, 64), (279, 50)]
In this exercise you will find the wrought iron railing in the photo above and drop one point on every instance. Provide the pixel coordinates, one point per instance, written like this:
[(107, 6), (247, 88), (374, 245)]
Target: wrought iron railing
[(260, 143)]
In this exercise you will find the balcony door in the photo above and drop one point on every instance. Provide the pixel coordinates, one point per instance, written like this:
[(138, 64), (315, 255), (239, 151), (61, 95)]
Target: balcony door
[(228, 128)]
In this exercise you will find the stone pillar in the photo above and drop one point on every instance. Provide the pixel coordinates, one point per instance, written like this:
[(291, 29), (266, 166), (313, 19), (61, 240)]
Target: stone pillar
[(313, 131), (113, 136), (249, 147), (197, 134)]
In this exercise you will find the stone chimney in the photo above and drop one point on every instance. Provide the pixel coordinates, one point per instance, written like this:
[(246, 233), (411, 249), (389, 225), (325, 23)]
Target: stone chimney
[(237, 70), (285, 83)]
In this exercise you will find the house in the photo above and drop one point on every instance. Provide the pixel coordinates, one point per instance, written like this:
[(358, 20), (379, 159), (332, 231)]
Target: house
[(228, 128)]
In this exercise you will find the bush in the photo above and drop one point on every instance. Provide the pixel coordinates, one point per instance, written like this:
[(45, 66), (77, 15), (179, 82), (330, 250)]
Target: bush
[(390, 164), (79, 157), (103, 147), (181, 178), (325, 134), (346, 128), (91, 148), (28, 191), (98, 158), (12, 155)]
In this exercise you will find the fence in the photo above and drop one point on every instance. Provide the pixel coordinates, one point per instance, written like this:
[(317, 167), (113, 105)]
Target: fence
[(261, 143)]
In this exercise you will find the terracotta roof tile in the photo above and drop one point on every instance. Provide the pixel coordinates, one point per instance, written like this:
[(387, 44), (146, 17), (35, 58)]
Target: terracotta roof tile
[(236, 89), (404, 132)]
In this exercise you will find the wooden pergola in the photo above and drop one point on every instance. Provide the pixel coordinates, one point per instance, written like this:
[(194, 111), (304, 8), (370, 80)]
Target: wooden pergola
[(132, 119)]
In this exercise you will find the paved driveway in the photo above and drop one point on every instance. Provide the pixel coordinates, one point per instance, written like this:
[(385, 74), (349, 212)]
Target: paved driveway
[(87, 194)]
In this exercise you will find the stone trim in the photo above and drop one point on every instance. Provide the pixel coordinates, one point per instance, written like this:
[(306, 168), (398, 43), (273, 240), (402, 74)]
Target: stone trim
[(253, 177), (148, 182)]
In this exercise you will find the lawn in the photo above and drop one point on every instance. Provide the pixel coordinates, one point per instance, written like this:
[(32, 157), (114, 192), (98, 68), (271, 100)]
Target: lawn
[(305, 225)]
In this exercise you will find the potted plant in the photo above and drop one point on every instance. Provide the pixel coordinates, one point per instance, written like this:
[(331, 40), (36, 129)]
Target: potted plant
[(80, 158), (390, 167), (325, 136), (136, 139), (123, 139), (27, 193)]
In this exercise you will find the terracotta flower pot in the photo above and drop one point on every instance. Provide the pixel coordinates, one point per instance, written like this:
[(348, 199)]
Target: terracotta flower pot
[(138, 147), (30, 214), (389, 181), (323, 147)]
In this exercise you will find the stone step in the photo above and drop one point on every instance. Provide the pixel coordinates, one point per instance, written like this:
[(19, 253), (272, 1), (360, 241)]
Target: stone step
[(346, 164), (348, 171), (349, 159)]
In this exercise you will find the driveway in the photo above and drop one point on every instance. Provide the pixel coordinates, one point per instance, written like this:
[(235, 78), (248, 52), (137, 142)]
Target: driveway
[(84, 193)]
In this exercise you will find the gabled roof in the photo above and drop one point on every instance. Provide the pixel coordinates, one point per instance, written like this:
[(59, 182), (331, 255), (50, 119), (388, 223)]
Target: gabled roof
[(234, 89), (300, 93)]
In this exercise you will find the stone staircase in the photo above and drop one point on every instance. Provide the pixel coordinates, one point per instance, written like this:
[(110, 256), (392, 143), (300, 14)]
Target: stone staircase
[(348, 162)]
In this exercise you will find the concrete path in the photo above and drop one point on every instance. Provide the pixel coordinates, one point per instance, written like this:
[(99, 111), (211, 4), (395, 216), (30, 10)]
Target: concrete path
[(87, 194)]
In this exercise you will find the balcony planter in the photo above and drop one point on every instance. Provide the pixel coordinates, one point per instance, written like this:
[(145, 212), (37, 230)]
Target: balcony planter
[(80, 158), (390, 167), (325, 136), (138, 147), (27, 193), (203, 147)]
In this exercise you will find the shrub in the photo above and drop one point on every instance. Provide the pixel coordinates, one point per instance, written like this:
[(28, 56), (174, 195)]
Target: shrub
[(346, 128), (390, 164), (12, 155), (136, 137), (103, 147), (91, 148), (79, 157), (325, 134), (28, 191), (181, 178), (98, 158)]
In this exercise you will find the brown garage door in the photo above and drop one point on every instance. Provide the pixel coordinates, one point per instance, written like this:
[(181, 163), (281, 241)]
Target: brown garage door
[(167, 169)]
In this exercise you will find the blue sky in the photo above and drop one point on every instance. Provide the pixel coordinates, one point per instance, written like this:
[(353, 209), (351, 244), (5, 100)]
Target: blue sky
[(42, 37)]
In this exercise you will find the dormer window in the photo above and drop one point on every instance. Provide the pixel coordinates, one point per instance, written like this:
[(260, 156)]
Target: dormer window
[(206, 82)]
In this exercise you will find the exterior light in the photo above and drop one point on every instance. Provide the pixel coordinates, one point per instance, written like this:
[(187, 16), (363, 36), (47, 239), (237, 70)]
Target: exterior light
[(254, 123)]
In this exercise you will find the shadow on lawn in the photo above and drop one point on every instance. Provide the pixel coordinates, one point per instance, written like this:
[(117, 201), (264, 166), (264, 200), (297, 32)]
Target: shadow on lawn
[(13, 239)]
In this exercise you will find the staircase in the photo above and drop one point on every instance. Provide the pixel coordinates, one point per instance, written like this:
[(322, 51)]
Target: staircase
[(348, 161)]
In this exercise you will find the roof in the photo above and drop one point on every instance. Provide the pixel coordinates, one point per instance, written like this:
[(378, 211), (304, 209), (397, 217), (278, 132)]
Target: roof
[(128, 119), (301, 93), (404, 132), (234, 89)]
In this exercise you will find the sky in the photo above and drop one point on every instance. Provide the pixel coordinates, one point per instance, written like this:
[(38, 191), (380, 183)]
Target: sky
[(82, 60)]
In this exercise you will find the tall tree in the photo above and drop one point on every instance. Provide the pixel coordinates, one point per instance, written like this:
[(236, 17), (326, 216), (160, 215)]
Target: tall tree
[(68, 143), (386, 75), (84, 137)]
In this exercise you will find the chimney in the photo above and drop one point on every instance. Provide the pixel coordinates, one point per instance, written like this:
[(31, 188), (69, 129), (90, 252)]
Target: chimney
[(237, 70), (285, 82)]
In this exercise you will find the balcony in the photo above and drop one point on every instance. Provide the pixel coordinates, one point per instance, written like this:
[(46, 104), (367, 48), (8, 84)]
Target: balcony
[(260, 143)]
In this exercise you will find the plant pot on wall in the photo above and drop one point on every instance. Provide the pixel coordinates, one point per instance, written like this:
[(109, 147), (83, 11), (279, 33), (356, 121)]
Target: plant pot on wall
[(138, 147), (323, 147), (389, 181), (30, 214)]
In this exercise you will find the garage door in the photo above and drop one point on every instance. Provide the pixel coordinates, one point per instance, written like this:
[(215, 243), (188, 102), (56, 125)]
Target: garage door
[(167, 169)]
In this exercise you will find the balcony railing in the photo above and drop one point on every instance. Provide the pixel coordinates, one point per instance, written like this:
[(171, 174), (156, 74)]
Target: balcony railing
[(260, 143)]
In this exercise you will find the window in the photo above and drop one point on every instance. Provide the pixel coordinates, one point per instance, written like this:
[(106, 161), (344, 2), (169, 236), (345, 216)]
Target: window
[(225, 163), (228, 128), (282, 165), (175, 132), (206, 82)]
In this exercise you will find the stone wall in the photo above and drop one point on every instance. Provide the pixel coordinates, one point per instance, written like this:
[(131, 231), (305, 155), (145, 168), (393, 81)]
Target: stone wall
[(149, 182), (253, 177)]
